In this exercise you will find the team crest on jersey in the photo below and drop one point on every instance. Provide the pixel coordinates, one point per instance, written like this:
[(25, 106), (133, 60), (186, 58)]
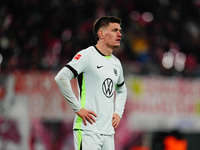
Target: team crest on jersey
[(115, 71), (77, 57)]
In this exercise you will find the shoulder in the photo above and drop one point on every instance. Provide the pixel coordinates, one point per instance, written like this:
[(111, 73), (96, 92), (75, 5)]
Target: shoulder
[(85, 52), (116, 59)]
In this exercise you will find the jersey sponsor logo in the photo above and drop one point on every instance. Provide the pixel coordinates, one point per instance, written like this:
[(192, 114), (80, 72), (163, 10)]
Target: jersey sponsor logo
[(107, 87), (98, 67), (77, 57)]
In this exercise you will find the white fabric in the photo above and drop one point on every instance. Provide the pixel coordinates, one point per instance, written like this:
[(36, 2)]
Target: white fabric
[(98, 77), (63, 80)]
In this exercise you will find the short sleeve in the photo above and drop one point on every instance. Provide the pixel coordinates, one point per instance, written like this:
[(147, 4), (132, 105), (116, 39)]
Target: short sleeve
[(79, 63)]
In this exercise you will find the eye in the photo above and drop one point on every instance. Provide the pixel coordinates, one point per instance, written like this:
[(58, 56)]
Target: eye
[(115, 30)]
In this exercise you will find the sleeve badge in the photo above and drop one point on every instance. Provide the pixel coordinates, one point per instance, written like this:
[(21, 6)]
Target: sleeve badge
[(77, 56)]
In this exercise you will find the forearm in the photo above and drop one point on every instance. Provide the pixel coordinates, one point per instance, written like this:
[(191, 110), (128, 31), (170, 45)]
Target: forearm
[(63, 81), (121, 96)]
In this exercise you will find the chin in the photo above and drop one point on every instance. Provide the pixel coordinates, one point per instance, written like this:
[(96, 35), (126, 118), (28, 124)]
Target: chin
[(117, 45)]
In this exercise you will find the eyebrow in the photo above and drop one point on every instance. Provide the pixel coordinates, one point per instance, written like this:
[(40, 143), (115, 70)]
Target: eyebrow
[(116, 29)]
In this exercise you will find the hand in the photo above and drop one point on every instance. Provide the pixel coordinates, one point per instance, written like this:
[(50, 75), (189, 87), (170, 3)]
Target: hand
[(115, 120), (86, 115)]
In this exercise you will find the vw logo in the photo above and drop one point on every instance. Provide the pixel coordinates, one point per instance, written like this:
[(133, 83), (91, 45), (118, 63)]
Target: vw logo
[(107, 87)]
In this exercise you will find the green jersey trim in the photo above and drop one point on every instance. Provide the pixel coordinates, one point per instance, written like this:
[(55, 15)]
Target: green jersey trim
[(108, 57), (79, 135), (81, 82)]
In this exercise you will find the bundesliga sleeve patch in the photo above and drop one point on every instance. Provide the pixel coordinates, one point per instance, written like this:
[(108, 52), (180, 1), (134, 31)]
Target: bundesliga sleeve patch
[(77, 57)]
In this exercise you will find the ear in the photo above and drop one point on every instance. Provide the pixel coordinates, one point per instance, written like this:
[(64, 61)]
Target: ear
[(100, 33)]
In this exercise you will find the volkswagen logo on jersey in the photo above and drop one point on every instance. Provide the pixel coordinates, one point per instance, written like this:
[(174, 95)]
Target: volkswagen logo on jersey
[(107, 87)]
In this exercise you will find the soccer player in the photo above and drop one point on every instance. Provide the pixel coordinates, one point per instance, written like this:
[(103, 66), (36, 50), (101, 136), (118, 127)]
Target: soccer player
[(101, 87)]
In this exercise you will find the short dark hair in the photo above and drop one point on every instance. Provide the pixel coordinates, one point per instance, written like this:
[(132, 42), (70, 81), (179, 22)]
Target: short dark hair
[(103, 22)]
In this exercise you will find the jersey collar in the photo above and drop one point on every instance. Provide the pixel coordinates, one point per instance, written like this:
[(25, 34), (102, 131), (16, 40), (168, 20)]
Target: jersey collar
[(99, 51), (108, 57)]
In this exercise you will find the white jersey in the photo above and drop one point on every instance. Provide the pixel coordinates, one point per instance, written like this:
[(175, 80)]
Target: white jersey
[(98, 78)]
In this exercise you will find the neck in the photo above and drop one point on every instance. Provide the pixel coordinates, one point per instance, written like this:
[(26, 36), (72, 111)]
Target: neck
[(107, 51)]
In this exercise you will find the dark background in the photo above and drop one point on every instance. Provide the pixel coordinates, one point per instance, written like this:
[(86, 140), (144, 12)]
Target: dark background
[(44, 35)]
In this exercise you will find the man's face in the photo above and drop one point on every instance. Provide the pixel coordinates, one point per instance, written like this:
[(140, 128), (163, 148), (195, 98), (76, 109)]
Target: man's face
[(112, 35)]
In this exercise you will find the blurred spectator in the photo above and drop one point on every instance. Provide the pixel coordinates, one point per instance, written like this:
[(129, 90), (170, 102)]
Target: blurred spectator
[(41, 35)]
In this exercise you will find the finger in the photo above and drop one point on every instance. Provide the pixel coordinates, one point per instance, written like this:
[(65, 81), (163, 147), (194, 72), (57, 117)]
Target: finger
[(114, 122), (115, 125), (91, 112), (84, 121), (89, 120), (92, 118), (116, 119)]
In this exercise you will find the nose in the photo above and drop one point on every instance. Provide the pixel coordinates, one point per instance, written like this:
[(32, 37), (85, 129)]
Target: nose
[(119, 34)]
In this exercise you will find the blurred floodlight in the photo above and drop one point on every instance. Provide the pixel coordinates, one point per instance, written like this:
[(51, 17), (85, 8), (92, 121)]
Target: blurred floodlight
[(1, 58), (179, 63), (135, 15), (168, 60), (4, 42), (147, 16)]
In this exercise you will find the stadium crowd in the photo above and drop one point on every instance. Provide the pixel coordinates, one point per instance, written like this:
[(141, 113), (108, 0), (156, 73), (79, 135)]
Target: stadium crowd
[(44, 35)]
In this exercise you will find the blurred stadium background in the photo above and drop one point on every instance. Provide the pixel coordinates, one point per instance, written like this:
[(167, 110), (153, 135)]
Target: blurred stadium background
[(159, 53)]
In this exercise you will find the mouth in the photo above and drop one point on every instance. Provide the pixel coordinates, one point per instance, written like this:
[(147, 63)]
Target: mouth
[(118, 40)]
